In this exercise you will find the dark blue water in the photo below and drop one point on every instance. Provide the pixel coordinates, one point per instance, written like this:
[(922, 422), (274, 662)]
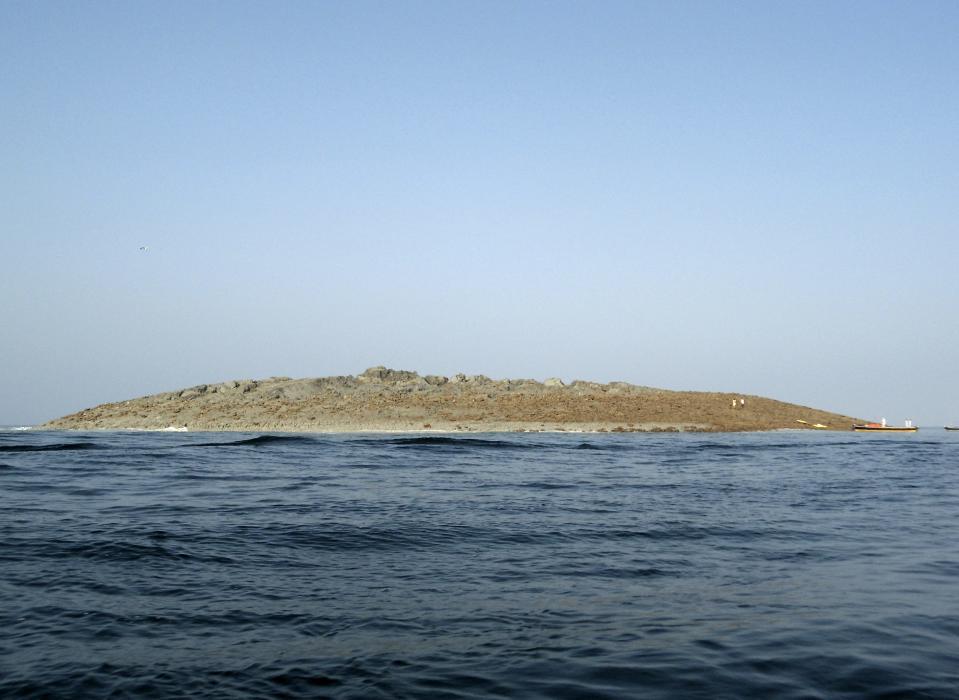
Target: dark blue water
[(806, 565)]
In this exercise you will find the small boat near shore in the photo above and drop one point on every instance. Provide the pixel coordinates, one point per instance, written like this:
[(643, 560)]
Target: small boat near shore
[(817, 426), (952, 427), (883, 428)]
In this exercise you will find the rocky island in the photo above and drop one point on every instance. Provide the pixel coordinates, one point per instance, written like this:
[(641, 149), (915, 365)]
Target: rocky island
[(382, 399)]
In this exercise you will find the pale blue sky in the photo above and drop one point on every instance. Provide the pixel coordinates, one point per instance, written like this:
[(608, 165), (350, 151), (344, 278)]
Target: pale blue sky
[(751, 197)]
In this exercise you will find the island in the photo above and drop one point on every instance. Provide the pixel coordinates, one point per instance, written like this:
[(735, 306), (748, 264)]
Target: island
[(382, 399)]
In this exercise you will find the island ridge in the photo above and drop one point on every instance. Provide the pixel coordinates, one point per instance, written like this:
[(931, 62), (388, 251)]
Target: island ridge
[(382, 399)]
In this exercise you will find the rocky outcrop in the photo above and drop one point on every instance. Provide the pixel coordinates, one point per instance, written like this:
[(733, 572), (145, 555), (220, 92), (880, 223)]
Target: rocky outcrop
[(387, 399)]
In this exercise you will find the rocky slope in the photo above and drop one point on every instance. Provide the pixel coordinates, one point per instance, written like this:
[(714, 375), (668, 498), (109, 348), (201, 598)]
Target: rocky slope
[(386, 399)]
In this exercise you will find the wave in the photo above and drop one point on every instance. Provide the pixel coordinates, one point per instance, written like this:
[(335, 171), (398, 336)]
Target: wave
[(739, 447), (856, 442), (257, 441), (56, 447), (765, 446), (907, 441), (544, 485), (343, 537), (472, 443), (97, 679), (421, 536), (609, 572), (119, 550), (617, 446)]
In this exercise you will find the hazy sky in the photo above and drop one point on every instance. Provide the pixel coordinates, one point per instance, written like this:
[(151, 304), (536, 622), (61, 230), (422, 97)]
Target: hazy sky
[(733, 196)]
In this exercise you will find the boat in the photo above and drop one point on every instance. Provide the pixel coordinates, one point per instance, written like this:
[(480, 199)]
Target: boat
[(818, 426), (951, 427), (883, 428)]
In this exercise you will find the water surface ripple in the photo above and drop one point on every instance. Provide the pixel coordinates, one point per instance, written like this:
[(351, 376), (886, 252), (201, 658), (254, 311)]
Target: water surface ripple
[(788, 565)]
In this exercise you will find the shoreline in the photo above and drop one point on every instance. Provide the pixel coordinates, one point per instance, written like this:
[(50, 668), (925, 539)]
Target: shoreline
[(478, 430)]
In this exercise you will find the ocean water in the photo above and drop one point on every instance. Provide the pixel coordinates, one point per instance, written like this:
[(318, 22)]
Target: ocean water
[(786, 565)]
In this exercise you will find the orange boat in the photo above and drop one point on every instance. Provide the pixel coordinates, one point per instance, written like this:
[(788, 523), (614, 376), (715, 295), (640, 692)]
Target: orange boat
[(883, 428)]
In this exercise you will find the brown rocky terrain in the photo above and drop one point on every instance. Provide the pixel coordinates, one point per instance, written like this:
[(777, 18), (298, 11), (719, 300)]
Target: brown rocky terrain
[(382, 399)]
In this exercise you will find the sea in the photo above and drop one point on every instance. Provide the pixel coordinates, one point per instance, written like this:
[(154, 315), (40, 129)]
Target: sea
[(534, 565)]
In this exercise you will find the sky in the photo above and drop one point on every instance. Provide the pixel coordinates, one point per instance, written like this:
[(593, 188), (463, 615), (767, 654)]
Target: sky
[(754, 197)]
